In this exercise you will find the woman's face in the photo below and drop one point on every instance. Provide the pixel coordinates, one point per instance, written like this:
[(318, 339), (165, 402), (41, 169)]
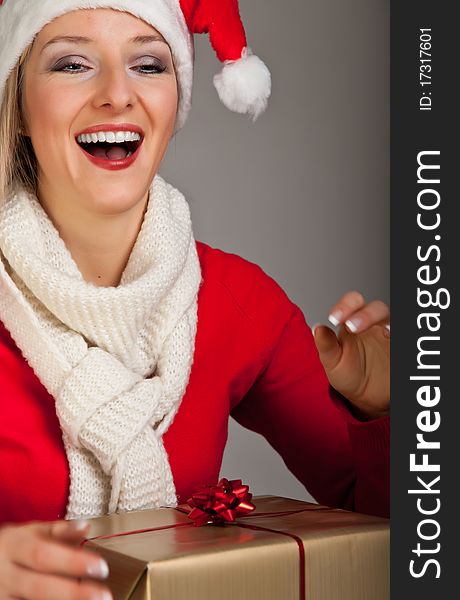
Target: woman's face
[(120, 76)]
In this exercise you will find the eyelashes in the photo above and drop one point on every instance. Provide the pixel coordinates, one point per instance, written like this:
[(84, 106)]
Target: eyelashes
[(76, 66), (66, 67), (158, 67)]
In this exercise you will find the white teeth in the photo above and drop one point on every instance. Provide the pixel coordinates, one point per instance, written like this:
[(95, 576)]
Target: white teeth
[(109, 136)]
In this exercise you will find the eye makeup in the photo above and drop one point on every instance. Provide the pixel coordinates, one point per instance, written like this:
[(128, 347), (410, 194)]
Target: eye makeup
[(158, 63), (150, 65)]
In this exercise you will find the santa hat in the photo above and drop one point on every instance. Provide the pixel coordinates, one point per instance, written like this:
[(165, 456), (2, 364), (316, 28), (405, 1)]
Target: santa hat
[(243, 85)]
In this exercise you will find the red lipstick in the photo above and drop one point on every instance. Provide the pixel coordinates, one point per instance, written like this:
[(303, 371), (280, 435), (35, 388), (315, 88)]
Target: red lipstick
[(106, 163), (112, 127)]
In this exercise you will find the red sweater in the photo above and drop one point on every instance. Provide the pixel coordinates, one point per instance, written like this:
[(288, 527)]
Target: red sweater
[(255, 359)]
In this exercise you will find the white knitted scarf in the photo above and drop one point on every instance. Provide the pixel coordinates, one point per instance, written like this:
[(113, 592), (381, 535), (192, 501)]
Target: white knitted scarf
[(116, 359)]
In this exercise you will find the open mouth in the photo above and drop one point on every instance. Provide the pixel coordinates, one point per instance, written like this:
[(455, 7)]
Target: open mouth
[(110, 150)]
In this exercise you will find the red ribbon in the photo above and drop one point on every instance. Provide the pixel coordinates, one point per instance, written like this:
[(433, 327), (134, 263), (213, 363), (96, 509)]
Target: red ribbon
[(221, 503)]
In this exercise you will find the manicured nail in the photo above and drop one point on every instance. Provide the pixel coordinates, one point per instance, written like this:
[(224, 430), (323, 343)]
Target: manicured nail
[(313, 329), (79, 525), (353, 324), (335, 317), (98, 569), (388, 326), (105, 595)]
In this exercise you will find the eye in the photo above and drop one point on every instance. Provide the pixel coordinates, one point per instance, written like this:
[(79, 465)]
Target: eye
[(151, 67), (70, 66)]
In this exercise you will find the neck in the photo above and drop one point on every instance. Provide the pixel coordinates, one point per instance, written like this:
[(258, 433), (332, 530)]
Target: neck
[(99, 243)]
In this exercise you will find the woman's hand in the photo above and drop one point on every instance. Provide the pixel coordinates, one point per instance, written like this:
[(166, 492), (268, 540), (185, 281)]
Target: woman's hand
[(357, 362), (41, 561)]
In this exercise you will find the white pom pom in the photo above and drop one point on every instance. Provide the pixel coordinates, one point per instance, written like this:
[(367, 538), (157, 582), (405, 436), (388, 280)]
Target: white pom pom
[(244, 85)]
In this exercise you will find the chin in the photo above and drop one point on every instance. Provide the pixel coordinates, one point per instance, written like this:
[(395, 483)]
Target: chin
[(116, 200)]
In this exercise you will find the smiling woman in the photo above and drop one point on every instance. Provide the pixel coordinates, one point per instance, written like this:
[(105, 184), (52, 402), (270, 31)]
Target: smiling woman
[(125, 344), (78, 85), (51, 99)]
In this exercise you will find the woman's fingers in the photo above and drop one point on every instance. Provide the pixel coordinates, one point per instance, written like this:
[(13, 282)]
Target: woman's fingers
[(356, 360), (374, 313), (40, 560), (48, 556), (72, 532), (29, 585), (358, 316), (329, 348), (345, 307)]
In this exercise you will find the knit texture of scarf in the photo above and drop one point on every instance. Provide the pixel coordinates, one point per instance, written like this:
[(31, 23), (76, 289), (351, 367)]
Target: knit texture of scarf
[(116, 359)]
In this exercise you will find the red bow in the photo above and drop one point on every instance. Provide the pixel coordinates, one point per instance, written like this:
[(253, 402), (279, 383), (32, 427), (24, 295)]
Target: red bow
[(221, 503)]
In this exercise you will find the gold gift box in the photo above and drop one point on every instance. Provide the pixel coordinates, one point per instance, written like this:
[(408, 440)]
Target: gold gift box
[(346, 554)]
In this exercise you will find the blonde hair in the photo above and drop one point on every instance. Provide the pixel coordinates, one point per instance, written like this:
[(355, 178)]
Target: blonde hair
[(18, 163)]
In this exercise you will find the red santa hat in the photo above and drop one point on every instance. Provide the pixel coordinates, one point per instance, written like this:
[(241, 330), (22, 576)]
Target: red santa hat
[(243, 85)]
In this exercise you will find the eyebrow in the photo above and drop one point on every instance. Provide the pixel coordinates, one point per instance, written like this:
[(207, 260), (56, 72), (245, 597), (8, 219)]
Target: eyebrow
[(78, 39)]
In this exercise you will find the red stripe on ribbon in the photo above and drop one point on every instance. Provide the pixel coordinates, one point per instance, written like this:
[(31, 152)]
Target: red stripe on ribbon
[(301, 552), (134, 532)]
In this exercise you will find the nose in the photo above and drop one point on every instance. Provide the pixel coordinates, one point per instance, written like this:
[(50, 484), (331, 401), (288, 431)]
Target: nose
[(114, 90)]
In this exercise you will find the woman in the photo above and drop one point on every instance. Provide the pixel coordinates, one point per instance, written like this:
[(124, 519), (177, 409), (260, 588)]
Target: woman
[(125, 345)]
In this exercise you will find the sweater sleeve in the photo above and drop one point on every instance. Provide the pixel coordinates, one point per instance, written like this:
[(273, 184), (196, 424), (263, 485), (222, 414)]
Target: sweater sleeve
[(341, 461)]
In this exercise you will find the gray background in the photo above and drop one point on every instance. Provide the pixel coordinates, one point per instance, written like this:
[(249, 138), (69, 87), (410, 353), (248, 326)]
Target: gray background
[(304, 191)]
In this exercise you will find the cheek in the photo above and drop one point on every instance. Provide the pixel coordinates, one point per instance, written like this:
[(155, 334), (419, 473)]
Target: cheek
[(163, 106), (47, 110), (36, 108)]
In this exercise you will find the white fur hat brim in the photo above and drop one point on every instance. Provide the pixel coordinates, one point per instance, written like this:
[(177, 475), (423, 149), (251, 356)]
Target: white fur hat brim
[(22, 20)]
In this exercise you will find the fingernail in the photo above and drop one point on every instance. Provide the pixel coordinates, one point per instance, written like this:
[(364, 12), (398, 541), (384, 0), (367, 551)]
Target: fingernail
[(79, 525), (98, 569), (105, 595), (335, 317), (353, 324), (388, 326), (313, 329)]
